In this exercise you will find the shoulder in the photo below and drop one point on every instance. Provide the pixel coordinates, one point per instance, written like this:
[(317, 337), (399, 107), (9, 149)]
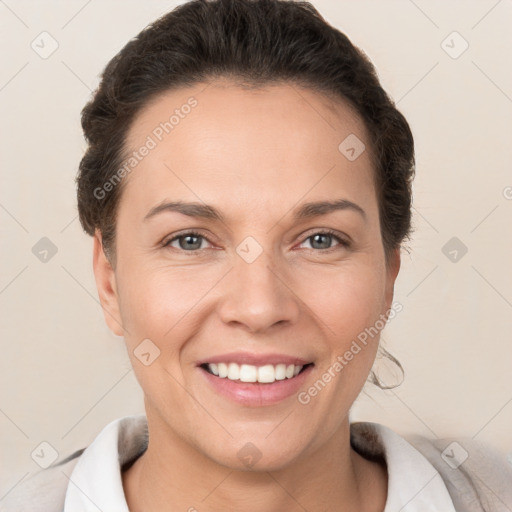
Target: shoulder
[(85, 472), (477, 476), (44, 491)]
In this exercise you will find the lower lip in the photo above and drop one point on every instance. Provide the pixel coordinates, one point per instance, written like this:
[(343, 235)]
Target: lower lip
[(256, 394)]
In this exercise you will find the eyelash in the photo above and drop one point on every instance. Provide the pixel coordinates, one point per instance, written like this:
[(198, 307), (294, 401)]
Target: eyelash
[(343, 243)]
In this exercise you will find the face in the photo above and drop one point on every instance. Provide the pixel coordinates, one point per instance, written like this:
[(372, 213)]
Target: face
[(256, 280)]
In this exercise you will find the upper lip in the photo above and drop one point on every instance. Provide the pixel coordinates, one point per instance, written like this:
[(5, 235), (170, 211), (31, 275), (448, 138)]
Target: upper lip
[(255, 359)]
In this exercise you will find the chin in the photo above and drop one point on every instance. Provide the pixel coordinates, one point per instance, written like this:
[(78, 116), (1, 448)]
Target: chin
[(258, 455)]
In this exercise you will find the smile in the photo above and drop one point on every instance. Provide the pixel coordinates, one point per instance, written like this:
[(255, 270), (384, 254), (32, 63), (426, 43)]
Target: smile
[(265, 374), (255, 380)]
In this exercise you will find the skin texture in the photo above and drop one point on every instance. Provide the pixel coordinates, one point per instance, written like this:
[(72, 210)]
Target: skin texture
[(257, 156)]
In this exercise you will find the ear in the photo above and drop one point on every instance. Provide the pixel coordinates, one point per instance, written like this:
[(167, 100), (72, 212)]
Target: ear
[(392, 268), (106, 285)]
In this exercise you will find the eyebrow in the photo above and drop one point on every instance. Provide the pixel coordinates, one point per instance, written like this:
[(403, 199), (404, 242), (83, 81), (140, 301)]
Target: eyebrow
[(306, 211)]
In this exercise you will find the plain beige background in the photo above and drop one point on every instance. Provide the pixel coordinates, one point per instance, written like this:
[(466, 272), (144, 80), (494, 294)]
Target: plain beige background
[(64, 376)]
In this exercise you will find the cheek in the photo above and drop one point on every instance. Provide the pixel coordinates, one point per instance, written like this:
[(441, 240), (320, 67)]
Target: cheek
[(348, 304), (164, 304), (159, 305), (346, 299)]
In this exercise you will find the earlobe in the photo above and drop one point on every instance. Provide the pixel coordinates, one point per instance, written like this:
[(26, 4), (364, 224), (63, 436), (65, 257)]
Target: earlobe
[(106, 285), (396, 261), (393, 268)]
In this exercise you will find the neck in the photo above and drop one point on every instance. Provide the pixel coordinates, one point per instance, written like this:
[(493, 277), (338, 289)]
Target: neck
[(173, 474)]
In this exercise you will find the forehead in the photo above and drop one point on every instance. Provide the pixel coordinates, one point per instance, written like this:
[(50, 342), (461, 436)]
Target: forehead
[(224, 104), (228, 143)]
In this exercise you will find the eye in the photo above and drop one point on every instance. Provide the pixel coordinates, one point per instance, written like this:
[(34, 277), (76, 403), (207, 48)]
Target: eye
[(321, 240), (189, 242)]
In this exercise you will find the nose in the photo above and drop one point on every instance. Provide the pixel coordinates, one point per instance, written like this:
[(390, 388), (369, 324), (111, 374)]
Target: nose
[(258, 295)]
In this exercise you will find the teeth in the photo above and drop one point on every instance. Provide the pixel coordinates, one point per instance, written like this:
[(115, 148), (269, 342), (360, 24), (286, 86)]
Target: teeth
[(266, 373), (280, 372), (233, 371), (223, 369), (249, 373)]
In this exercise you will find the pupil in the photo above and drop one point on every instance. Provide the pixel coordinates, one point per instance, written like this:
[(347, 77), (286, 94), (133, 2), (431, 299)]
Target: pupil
[(188, 238), (320, 236)]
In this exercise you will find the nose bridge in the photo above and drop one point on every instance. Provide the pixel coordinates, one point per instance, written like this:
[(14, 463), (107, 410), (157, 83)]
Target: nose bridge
[(257, 295)]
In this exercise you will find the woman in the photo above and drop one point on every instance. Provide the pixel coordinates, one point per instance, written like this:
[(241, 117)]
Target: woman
[(247, 183)]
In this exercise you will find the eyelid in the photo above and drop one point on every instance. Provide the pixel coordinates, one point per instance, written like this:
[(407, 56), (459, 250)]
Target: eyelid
[(344, 240), (191, 231)]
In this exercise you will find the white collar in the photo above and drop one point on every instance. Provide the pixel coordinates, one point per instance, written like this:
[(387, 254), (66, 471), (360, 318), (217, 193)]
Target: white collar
[(95, 483), (414, 485)]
